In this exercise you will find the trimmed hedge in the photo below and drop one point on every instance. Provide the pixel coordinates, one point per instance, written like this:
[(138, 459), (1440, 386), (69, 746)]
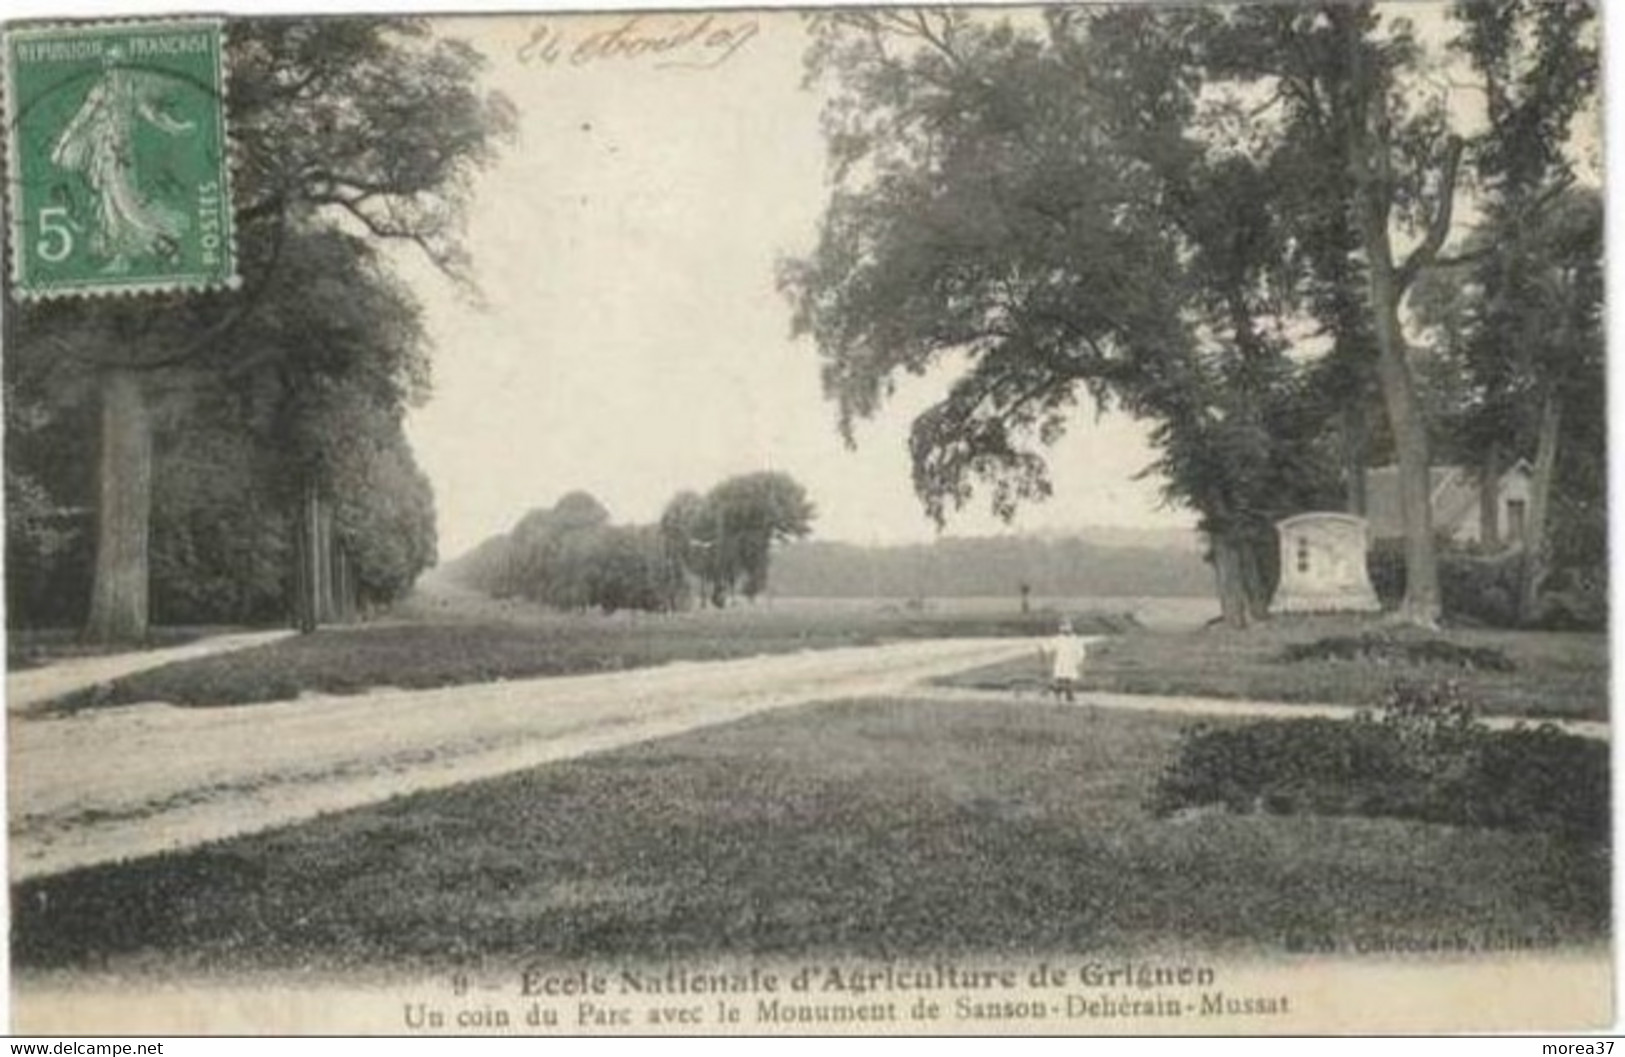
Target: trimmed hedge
[(1426, 757), (1478, 588), (1390, 649)]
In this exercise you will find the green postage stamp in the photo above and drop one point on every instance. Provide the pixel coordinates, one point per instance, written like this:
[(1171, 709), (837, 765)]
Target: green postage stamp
[(118, 169)]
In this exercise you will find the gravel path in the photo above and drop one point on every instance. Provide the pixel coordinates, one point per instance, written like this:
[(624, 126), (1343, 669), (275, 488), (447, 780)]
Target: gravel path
[(107, 784), (31, 687), (1221, 706)]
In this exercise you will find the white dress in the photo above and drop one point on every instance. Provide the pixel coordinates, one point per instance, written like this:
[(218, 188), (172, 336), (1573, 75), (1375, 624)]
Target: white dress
[(1066, 653)]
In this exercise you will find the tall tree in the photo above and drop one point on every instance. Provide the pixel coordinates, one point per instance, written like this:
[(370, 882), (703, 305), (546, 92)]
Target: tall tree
[(749, 514), (1035, 209), (1240, 440), (570, 557), (47, 464), (1357, 99), (1540, 270), (553, 550), (630, 569), (1518, 335), (688, 537), (325, 368), (1339, 76), (220, 543), (362, 123)]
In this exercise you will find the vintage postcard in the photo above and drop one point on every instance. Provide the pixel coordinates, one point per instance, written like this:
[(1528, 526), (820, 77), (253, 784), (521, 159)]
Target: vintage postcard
[(1072, 520)]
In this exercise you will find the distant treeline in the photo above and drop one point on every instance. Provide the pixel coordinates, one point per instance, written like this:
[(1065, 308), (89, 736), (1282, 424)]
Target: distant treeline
[(986, 566), (706, 548)]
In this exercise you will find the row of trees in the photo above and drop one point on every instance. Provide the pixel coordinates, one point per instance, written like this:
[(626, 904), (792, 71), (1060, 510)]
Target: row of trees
[(239, 455), (714, 547), (570, 557), (1212, 218)]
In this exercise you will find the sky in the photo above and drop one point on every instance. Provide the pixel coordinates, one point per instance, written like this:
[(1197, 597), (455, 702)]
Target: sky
[(631, 341)]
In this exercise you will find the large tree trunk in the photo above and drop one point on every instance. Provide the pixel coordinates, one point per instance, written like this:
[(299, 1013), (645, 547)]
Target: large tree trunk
[(1355, 438), (1230, 580), (1540, 496), (306, 608), (1489, 498), (344, 587), (118, 603), (1367, 129), (1254, 581), (1421, 602), (327, 606), (1405, 415)]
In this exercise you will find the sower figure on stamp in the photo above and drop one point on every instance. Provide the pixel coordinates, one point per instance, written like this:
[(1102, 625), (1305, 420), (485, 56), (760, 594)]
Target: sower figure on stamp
[(99, 144), (1065, 653)]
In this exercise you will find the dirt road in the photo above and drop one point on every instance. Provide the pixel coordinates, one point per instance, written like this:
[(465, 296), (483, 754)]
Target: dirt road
[(1231, 707), (109, 784), (28, 689)]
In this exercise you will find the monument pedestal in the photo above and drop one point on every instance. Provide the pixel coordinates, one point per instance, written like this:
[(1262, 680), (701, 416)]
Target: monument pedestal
[(1323, 566)]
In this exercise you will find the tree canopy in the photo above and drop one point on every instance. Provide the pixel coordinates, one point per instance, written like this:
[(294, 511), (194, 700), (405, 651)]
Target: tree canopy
[(571, 556), (1161, 211), (350, 132)]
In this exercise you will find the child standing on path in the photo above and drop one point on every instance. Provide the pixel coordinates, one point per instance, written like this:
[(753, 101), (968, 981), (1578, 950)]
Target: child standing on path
[(1066, 654)]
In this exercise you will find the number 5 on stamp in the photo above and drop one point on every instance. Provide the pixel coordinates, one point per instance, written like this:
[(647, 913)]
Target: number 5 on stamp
[(118, 173)]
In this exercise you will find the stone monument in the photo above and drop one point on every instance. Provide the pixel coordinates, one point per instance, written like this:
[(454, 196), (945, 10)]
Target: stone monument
[(1323, 565)]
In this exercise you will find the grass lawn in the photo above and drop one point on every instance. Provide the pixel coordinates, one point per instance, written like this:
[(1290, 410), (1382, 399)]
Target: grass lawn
[(869, 828), (34, 647), (1562, 674), (454, 652)]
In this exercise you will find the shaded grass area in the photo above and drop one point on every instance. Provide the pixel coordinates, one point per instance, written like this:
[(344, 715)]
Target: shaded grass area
[(1554, 674), (876, 828), (35, 647), (456, 652)]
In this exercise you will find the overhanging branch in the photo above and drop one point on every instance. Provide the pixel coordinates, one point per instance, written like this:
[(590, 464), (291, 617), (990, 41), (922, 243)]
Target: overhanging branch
[(382, 230), (1439, 225)]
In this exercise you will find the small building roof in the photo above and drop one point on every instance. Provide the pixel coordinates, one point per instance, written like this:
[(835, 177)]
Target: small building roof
[(1382, 510), (1454, 492)]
